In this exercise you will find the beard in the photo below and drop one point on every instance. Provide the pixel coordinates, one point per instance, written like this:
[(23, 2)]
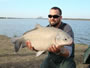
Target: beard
[(54, 24)]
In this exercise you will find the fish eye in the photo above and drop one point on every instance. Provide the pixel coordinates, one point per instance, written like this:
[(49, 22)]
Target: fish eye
[(65, 39)]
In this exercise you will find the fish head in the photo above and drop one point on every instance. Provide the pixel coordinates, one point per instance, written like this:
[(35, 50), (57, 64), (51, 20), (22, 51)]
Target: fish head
[(63, 39)]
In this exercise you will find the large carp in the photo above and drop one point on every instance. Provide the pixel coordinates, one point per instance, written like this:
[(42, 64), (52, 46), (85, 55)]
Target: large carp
[(42, 38)]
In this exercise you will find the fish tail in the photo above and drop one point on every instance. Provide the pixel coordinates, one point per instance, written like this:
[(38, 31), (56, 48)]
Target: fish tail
[(18, 44)]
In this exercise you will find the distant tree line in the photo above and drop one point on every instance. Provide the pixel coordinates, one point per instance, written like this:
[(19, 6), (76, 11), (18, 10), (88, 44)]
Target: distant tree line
[(2, 17), (10, 18)]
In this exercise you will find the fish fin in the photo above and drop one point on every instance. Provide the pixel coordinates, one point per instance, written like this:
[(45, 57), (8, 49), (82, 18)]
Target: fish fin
[(39, 53), (13, 40), (17, 45), (38, 26)]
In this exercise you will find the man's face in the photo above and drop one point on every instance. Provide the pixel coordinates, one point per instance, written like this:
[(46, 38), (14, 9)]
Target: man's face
[(54, 17)]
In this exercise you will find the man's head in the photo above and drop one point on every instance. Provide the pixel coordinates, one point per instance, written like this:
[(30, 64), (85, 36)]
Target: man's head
[(55, 16)]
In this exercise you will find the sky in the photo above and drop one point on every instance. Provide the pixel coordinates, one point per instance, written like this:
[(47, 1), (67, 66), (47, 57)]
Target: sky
[(37, 8)]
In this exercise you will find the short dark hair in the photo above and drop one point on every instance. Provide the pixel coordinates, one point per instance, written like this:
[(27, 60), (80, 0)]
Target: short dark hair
[(57, 8)]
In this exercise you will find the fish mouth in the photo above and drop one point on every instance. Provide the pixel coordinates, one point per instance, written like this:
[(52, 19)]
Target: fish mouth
[(70, 43), (67, 44)]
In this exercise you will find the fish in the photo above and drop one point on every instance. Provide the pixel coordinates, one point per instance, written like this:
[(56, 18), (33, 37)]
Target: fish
[(41, 38)]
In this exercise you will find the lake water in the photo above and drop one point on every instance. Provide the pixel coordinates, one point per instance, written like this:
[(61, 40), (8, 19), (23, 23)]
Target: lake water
[(12, 27)]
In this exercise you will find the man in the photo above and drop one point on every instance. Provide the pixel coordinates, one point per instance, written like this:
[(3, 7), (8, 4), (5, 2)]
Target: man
[(58, 57)]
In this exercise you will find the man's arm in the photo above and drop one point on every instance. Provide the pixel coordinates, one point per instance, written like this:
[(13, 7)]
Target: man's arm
[(62, 51)]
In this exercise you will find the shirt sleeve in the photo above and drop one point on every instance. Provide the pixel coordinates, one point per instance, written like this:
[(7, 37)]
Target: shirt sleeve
[(69, 49), (68, 29)]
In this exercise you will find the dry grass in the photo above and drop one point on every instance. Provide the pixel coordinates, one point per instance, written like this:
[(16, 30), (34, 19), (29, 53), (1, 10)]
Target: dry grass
[(79, 52), (26, 58)]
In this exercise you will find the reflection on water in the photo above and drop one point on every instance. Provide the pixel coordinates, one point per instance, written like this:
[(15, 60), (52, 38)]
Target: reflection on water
[(12, 27)]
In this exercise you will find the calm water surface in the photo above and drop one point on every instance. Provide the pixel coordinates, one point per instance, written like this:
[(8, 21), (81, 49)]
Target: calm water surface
[(12, 27)]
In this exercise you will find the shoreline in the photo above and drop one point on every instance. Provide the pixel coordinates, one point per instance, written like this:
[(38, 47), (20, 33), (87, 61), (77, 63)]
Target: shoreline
[(83, 19)]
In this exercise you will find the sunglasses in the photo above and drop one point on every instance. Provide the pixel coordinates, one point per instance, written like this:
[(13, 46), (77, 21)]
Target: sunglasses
[(54, 16)]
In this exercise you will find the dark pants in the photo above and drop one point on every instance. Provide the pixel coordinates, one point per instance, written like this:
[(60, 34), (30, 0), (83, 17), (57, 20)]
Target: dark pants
[(89, 66), (65, 63)]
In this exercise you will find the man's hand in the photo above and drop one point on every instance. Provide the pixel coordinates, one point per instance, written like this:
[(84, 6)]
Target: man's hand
[(60, 50), (54, 49), (28, 43)]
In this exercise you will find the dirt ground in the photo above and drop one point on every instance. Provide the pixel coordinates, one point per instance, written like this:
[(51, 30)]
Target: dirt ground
[(27, 59)]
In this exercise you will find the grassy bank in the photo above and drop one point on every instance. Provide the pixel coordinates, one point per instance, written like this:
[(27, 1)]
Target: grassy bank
[(26, 58)]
